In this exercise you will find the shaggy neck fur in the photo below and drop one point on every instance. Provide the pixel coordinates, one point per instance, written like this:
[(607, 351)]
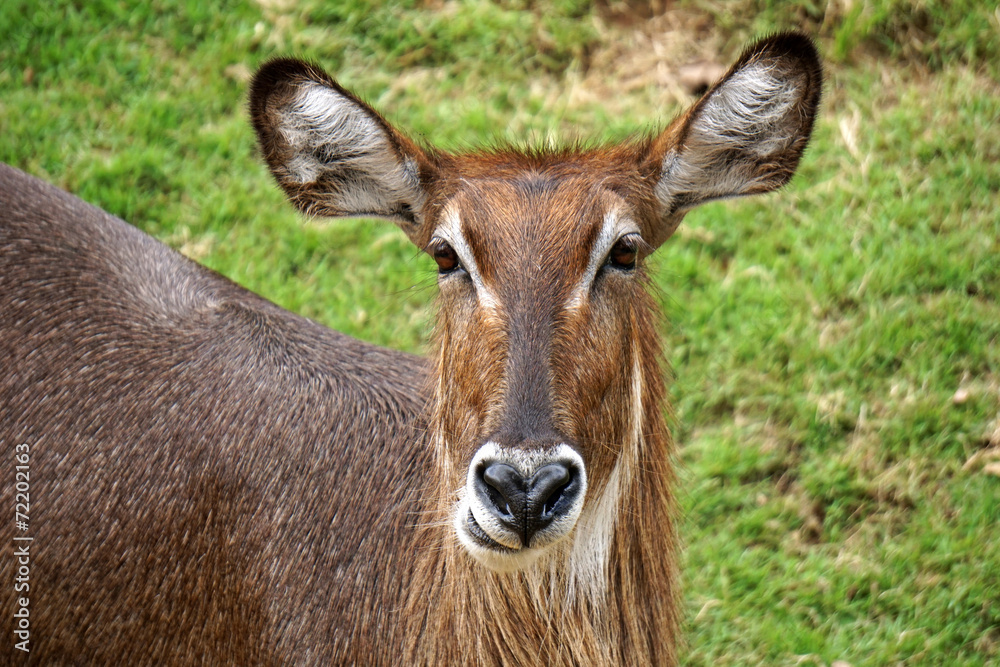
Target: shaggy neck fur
[(605, 596)]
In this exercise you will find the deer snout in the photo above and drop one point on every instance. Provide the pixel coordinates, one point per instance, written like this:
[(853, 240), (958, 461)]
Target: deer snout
[(518, 501), (524, 504)]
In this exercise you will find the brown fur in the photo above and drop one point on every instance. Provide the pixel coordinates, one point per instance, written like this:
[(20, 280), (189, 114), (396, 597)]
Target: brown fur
[(216, 480)]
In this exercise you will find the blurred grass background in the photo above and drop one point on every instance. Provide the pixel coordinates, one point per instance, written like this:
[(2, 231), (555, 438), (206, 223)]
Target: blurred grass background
[(836, 346)]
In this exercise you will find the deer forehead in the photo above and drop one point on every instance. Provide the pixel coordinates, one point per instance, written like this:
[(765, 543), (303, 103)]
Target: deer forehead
[(549, 237)]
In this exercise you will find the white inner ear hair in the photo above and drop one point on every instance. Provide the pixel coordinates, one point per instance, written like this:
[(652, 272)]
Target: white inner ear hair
[(750, 113), (330, 133)]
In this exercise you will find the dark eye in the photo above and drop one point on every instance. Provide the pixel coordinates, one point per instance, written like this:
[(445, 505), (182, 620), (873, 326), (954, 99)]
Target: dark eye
[(445, 256), (624, 252)]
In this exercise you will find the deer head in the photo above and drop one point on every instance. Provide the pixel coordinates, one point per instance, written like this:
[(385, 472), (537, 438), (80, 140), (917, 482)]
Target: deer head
[(548, 395)]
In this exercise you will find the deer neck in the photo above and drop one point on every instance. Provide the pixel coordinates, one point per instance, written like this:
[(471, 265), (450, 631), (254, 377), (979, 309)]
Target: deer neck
[(606, 595)]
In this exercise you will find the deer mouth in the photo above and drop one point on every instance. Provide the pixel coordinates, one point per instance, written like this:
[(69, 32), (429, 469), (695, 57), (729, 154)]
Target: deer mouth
[(483, 539)]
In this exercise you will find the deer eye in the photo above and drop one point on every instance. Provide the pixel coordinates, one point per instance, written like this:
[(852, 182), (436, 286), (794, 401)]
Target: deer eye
[(445, 256), (624, 252)]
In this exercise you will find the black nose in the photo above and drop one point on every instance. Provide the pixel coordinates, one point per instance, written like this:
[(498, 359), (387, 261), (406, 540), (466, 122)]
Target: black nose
[(527, 505)]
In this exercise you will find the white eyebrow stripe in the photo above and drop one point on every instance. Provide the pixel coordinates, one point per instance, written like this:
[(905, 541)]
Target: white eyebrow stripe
[(615, 226), (450, 230)]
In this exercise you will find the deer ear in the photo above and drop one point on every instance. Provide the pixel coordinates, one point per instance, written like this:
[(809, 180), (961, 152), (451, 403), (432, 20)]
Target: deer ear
[(746, 135), (333, 154)]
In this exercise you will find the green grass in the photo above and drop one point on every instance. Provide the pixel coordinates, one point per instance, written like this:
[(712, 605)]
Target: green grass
[(836, 346)]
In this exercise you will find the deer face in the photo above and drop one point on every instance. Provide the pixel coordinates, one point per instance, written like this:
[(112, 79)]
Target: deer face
[(546, 336), (540, 278)]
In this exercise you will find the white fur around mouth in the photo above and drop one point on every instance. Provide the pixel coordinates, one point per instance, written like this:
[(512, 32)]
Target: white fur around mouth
[(477, 533), (485, 549)]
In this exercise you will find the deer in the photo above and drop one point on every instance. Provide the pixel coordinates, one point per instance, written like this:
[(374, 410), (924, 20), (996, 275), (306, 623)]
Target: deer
[(216, 480)]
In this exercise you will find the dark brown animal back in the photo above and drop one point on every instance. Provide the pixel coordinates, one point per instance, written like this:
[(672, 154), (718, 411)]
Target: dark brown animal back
[(213, 479)]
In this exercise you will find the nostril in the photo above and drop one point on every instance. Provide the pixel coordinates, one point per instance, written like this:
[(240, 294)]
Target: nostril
[(500, 504), (504, 488), (550, 504), (550, 485)]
